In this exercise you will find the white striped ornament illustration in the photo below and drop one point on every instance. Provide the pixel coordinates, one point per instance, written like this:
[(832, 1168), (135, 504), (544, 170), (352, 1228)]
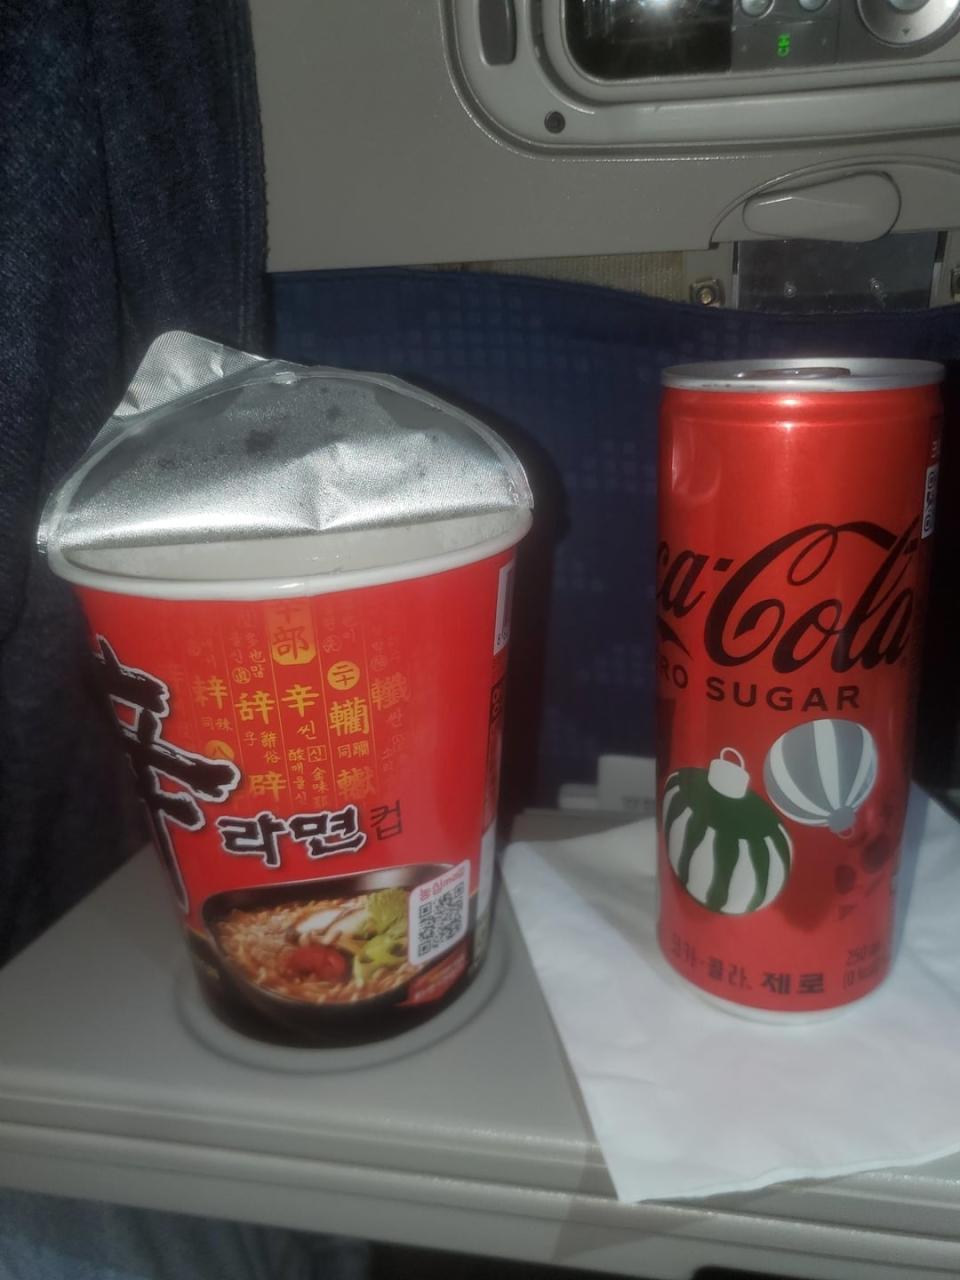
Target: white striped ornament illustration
[(820, 773)]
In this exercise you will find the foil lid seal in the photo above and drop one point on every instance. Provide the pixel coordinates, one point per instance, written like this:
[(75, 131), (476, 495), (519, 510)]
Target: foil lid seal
[(211, 445)]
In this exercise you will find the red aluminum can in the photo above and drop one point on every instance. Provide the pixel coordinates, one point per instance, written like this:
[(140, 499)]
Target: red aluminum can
[(796, 507)]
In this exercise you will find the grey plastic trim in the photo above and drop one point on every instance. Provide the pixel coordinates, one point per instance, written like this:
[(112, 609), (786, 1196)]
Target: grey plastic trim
[(851, 102), (929, 192), (907, 24), (863, 206), (457, 189), (498, 31)]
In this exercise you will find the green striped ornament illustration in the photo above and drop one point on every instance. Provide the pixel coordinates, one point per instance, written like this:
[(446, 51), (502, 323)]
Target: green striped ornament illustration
[(724, 842)]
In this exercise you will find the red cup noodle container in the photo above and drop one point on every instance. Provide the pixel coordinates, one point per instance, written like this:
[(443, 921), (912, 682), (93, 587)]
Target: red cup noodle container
[(314, 726), (796, 508)]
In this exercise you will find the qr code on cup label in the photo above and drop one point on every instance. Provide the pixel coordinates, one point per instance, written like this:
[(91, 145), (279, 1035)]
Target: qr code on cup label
[(439, 910)]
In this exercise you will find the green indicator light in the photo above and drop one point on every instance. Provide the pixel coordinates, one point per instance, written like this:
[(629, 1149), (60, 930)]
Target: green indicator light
[(783, 44)]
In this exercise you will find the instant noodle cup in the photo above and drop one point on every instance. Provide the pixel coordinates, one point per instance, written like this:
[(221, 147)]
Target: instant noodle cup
[(297, 583)]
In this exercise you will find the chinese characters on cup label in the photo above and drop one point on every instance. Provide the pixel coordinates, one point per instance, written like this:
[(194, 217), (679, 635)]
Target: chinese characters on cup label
[(141, 702)]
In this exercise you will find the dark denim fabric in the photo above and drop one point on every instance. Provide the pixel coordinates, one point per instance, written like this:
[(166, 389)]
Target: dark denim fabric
[(131, 201), (53, 1238)]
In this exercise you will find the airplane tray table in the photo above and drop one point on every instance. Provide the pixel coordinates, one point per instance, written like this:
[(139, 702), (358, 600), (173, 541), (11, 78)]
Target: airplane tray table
[(466, 1133)]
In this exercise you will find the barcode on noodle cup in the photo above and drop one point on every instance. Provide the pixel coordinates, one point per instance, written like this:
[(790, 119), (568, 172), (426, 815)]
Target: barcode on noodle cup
[(439, 912), (929, 500), (501, 636)]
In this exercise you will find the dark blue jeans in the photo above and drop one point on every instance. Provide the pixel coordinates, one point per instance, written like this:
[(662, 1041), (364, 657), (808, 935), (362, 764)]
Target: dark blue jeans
[(48, 1238), (131, 202)]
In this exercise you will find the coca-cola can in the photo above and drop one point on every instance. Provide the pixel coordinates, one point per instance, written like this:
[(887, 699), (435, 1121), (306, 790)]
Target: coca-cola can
[(796, 504)]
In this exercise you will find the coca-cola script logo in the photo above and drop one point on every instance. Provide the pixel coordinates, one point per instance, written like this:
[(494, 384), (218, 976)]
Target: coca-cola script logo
[(765, 605)]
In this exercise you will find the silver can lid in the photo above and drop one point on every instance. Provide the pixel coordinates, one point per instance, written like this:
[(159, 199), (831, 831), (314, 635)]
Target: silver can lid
[(805, 373)]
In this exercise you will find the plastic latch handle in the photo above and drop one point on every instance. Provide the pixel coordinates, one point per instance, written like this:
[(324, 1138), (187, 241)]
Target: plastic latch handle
[(863, 206)]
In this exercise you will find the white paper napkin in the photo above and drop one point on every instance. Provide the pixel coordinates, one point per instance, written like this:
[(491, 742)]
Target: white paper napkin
[(687, 1100)]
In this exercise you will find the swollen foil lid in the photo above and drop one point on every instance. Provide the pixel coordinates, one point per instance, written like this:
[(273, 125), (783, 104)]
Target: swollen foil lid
[(211, 445)]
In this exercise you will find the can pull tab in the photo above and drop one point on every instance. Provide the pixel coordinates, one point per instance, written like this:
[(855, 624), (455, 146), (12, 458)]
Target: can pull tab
[(811, 373)]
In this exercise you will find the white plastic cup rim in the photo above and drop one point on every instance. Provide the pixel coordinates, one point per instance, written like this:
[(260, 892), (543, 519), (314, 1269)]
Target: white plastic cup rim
[(272, 588)]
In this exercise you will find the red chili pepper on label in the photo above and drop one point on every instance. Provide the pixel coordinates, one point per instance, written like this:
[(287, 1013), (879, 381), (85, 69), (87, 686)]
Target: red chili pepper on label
[(317, 961)]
